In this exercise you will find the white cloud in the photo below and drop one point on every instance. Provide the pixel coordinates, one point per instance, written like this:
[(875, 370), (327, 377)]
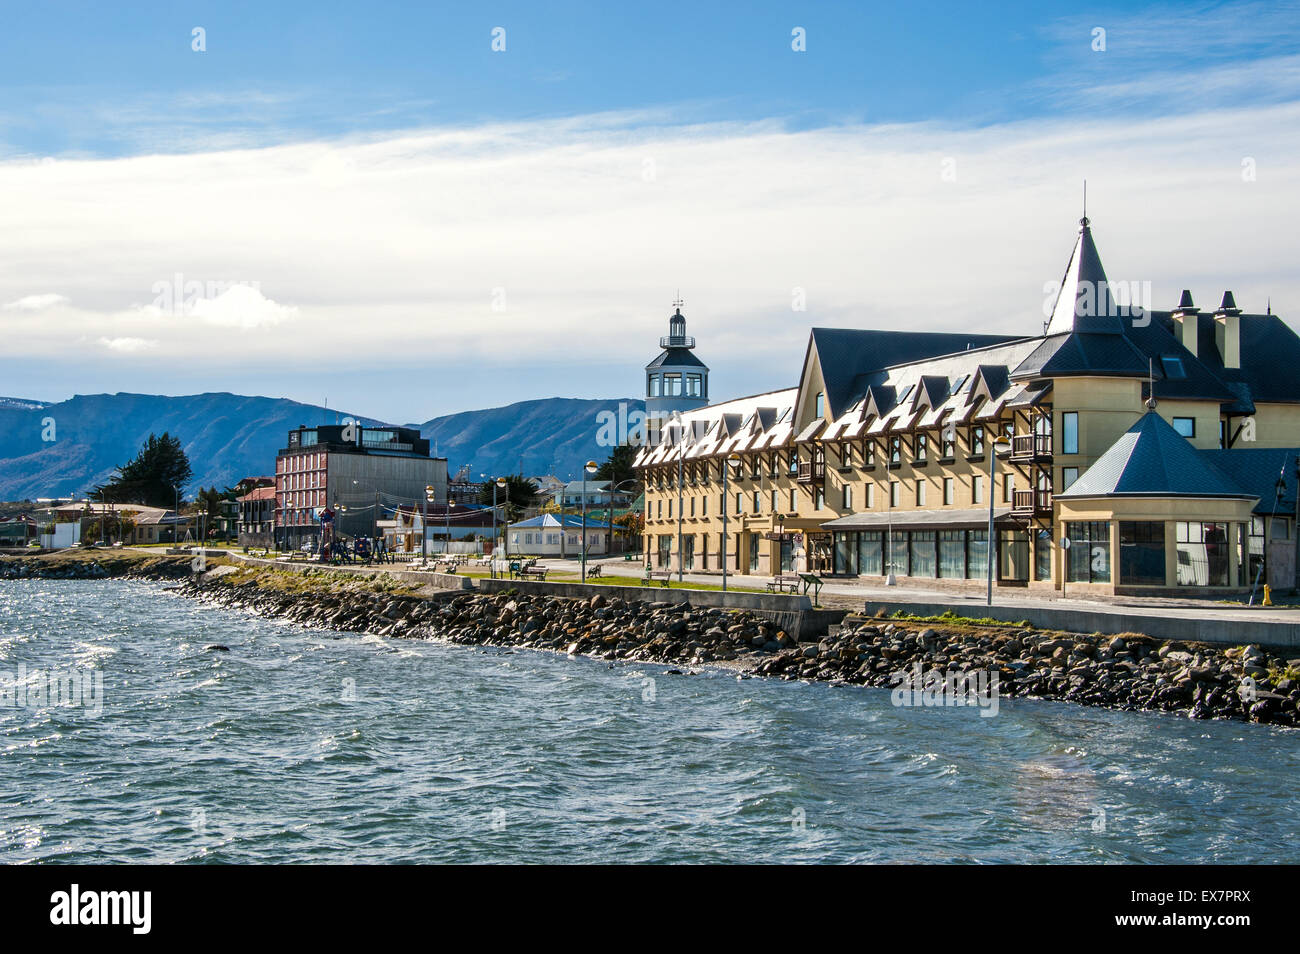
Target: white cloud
[(35, 302), (393, 252), (127, 345)]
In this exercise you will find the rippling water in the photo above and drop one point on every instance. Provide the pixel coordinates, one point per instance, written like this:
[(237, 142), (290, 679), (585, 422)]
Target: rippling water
[(449, 753)]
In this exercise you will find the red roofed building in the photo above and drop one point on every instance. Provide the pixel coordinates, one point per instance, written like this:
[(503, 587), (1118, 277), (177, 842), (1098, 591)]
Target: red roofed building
[(257, 517)]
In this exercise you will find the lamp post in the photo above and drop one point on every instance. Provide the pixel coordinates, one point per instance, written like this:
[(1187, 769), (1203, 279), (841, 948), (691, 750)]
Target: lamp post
[(731, 461), (588, 468), (424, 524), (446, 522), (498, 484), (999, 447)]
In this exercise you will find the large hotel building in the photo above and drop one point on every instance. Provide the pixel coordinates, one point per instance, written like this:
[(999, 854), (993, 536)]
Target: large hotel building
[(1142, 452)]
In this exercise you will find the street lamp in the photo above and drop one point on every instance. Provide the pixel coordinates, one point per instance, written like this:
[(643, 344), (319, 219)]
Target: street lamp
[(999, 447), (424, 524), (733, 460), (446, 522), (498, 484), (588, 468)]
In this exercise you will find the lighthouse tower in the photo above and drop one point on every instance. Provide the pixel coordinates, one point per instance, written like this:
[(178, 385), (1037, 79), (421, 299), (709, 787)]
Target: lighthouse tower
[(676, 380)]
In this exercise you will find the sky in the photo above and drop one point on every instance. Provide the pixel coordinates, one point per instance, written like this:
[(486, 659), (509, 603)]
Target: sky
[(369, 206)]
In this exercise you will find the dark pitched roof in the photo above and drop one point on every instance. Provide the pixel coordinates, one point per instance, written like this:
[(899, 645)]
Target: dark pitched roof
[(1256, 470), (1071, 353), (1270, 357), (1084, 303), (676, 356), (848, 353), (1151, 459)]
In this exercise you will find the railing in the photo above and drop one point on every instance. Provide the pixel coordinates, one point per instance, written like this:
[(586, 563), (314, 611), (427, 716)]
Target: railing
[(1031, 501), (1031, 446), (677, 341), (811, 470)]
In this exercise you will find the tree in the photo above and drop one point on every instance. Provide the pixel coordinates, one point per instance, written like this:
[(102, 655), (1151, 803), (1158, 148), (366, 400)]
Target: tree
[(519, 494), (155, 477), (618, 467)]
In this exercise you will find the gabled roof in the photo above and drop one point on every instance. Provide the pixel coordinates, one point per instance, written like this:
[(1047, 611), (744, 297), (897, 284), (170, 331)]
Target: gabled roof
[(1151, 459), (846, 354)]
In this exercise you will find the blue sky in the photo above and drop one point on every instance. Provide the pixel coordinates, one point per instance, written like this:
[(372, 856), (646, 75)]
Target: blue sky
[(387, 180)]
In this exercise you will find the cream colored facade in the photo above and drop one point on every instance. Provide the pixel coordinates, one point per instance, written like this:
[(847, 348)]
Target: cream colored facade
[(871, 467)]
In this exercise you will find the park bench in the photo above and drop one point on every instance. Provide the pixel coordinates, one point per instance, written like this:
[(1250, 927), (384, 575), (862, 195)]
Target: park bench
[(538, 572), (813, 582), (446, 566), (784, 583), (663, 576)]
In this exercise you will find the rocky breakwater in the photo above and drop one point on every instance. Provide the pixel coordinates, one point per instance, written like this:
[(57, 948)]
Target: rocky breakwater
[(79, 566), (1122, 672), (610, 629)]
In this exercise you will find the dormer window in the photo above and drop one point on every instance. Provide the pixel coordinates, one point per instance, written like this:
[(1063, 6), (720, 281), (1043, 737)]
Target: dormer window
[(1173, 367), (819, 408)]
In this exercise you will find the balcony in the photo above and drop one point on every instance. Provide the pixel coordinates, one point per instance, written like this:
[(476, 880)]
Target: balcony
[(677, 341), (811, 470), (1031, 503), (1029, 447)]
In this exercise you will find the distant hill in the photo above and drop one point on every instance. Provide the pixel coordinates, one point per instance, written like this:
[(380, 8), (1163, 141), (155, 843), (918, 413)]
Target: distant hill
[(229, 436)]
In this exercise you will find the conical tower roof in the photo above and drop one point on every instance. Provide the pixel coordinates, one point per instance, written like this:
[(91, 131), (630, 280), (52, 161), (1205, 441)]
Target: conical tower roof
[(1084, 303), (1151, 459)]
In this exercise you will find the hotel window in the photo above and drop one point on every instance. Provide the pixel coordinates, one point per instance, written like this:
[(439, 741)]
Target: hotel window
[(920, 493), (740, 503), (895, 451), (1186, 426), (1202, 553), (776, 502), (692, 506), (977, 489), (1008, 486), (820, 405), (1070, 432), (848, 497), (949, 443), (660, 514), (672, 385), (670, 510), (1142, 552), (1068, 476), (947, 491), (819, 499), (693, 385), (704, 506), (722, 503), (893, 493), (794, 502), (977, 440), (654, 385), (758, 503), (870, 496), (847, 459), (922, 447), (1089, 554)]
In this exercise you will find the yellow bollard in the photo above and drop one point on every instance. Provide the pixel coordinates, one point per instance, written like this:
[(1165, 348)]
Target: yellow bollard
[(1268, 591)]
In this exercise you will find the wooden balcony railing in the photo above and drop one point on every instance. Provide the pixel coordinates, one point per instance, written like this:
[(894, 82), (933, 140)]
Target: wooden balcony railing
[(1031, 446), (1031, 501), (811, 470)]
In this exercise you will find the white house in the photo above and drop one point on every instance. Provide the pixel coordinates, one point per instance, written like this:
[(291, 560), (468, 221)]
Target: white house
[(554, 534)]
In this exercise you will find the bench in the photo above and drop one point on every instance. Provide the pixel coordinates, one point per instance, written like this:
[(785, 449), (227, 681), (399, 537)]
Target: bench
[(663, 576), (784, 583), (815, 582), (445, 566), (539, 572)]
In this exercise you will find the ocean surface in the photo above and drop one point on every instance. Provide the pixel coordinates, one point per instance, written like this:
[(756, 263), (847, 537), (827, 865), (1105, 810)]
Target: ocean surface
[(312, 746)]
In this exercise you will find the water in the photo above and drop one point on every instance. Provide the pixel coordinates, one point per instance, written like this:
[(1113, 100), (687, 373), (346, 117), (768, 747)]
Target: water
[(450, 753)]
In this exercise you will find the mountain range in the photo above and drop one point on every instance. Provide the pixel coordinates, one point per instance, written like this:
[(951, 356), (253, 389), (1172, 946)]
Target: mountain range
[(66, 448)]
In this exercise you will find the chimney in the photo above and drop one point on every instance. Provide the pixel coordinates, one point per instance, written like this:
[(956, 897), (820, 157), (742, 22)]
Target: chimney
[(1227, 331), (1186, 322)]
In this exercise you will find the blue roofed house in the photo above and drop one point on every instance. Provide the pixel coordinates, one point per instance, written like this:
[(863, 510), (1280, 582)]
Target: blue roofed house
[(557, 534)]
